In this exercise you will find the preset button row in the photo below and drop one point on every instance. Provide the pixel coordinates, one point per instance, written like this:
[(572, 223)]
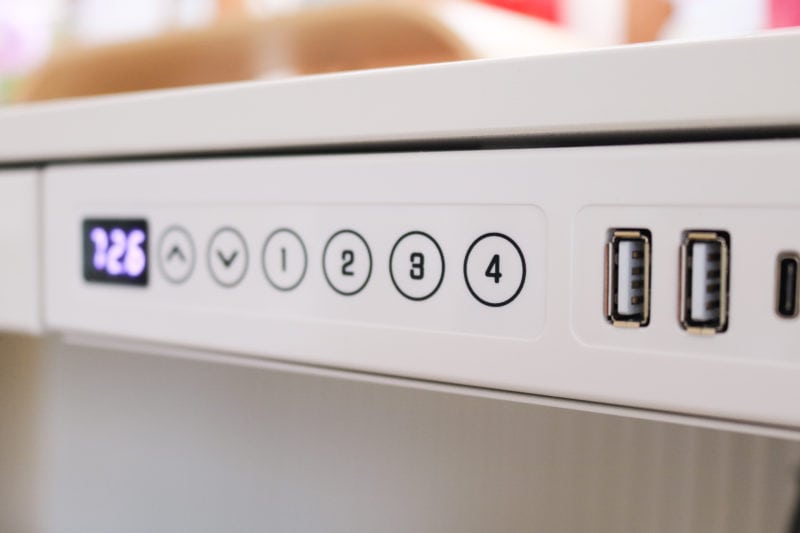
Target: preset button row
[(494, 265)]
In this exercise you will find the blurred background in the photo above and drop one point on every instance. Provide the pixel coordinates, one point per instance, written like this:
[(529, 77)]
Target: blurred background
[(66, 48)]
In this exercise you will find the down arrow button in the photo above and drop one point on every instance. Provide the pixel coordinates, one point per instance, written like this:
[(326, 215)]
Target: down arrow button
[(227, 257)]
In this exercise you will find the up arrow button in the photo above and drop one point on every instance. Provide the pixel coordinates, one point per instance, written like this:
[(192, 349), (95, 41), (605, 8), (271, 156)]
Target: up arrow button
[(176, 254), (227, 257)]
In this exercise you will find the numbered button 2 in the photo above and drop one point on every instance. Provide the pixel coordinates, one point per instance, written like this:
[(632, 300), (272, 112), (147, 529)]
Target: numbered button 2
[(494, 269), (416, 266), (347, 262), (284, 259)]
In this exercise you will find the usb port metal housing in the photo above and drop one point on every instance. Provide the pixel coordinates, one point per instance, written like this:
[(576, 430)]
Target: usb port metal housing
[(705, 279), (627, 301), (787, 296)]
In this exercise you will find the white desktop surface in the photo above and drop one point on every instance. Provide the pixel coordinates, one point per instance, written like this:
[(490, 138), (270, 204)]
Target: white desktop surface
[(702, 86)]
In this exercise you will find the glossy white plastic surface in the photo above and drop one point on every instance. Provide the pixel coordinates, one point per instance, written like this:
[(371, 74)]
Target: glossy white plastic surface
[(559, 205), (19, 251)]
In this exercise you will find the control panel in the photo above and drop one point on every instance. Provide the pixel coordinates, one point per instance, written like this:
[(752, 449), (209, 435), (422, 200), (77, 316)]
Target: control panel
[(432, 267), (656, 276)]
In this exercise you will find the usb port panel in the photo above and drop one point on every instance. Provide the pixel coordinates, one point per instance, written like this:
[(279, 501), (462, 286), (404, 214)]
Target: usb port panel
[(627, 301), (705, 279)]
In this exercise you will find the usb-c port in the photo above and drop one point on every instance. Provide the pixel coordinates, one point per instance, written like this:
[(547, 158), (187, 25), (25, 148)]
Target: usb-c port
[(787, 290)]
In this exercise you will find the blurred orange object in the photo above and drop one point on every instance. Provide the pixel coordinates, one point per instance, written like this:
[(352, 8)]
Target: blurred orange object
[(646, 18), (348, 37), (343, 38)]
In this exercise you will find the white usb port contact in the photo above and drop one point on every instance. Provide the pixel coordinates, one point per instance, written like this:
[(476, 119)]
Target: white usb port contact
[(627, 301), (705, 263)]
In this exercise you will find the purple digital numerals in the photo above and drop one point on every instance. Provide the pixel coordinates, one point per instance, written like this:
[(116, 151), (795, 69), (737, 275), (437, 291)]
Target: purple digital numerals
[(117, 252)]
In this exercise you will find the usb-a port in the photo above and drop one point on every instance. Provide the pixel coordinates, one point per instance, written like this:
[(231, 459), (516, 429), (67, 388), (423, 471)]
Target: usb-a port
[(705, 278), (627, 301)]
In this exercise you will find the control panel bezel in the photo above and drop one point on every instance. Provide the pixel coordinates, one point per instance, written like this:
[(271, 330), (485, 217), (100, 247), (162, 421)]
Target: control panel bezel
[(556, 204)]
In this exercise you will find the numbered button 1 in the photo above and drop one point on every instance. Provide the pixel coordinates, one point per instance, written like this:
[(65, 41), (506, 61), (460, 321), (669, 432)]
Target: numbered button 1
[(494, 269), (347, 262), (416, 265), (284, 259)]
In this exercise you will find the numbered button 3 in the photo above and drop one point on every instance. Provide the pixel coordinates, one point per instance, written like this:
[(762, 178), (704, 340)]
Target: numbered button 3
[(494, 269), (416, 265), (347, 262), (284, 259)]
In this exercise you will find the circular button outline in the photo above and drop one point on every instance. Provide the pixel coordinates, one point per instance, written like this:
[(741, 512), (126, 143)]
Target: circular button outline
[(441, 256), (246, 257), (305, 259), (161, 268), (325, 272), (524, 269)]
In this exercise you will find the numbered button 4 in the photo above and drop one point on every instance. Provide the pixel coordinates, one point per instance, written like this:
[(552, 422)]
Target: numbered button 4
[(347, 262), (416, 265), (284, 259), (494, 269)]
